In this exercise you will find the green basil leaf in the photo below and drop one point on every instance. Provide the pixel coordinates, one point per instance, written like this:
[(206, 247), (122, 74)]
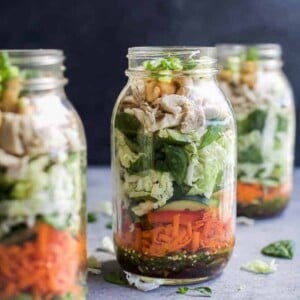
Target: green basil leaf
[(116, 278), (281, 249)]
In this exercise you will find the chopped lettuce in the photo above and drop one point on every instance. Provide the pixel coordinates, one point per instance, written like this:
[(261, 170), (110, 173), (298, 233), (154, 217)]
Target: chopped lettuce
[(155, 184), (124, 153), (260, 267), (249, 148), (254, 121), (204, 167)]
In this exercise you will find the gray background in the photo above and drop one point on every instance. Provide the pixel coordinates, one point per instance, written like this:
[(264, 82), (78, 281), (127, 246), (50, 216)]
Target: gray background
[(95, 35)]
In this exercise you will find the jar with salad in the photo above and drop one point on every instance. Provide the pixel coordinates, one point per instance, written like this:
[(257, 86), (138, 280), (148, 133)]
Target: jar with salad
[(174, 167), (252, 78), (42, 181)]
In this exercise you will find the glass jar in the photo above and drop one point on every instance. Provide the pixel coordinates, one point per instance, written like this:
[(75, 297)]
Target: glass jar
[(42, 180), (173, 163), (252, 78)]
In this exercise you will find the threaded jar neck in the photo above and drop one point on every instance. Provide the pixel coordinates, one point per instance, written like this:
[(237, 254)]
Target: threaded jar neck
[(183, 61), (39, 69)]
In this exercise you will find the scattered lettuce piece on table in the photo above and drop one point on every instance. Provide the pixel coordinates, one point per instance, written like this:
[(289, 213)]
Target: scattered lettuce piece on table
[(281, 249), (258, 266)]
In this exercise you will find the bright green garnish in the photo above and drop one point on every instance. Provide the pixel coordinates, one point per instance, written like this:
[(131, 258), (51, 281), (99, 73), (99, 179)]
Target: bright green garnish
[(169, 63), (252, 54), (282, 249), (7, 70)]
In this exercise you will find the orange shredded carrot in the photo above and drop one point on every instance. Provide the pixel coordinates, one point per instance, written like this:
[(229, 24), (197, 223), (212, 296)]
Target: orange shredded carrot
[(176, 220), (46, 267), (247, 193), (185, 230), (195, 241)]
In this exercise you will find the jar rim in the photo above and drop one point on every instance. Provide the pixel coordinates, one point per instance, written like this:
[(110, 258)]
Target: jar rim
[(153, 51), (35, 57), (264, 50)]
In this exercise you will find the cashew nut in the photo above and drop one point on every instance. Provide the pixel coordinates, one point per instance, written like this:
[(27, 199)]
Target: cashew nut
[(24, 107), (183, 81), (249, 67), (249, 79), (152, 91), (182, 91), (11, 94), (167, 88), (225, 75)]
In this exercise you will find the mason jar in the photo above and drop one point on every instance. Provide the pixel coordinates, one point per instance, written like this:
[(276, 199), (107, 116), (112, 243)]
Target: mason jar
[(252, 78), (42, 180), (173, 163)]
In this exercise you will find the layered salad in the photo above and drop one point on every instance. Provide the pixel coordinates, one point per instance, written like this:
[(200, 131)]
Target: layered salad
[(263, 105), (42, 162), (174, 165)]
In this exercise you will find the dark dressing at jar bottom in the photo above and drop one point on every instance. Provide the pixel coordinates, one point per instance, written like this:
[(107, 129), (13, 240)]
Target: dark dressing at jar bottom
[(201, 265), (263, 210)]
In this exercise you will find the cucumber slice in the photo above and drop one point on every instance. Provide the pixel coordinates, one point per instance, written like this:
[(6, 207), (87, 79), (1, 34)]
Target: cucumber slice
[(191, 205)]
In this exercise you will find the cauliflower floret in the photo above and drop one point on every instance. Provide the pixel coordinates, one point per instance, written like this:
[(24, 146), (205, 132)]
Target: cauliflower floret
[(126, 156), (154, 184)]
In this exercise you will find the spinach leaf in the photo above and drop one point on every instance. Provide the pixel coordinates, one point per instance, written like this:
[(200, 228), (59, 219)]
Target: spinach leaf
[(126, 123), (116, 278), (141, 164), (255, 121), (177, 162), (213, 133), (282, 249), (251, 154), (92, 217), (108, 225), (282, 124)]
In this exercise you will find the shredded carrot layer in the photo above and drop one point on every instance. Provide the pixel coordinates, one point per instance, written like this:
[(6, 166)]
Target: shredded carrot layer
[(173, 232), (247, 193), (46, 267)]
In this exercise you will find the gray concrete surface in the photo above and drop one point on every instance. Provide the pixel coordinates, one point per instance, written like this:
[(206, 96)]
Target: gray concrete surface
[(282, 285)]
